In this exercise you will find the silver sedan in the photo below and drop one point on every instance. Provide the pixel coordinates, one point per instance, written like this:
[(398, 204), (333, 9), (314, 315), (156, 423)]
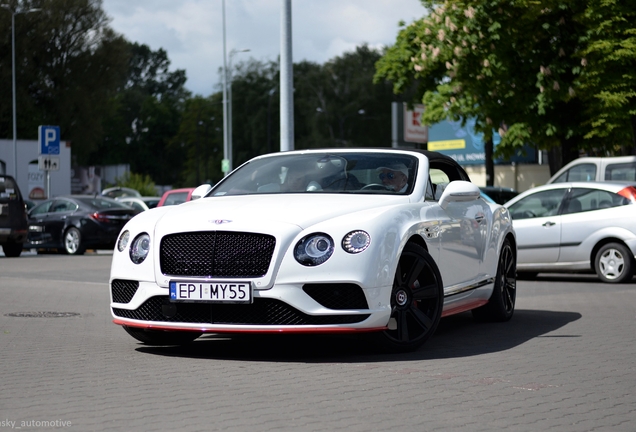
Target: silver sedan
[(576, 227)]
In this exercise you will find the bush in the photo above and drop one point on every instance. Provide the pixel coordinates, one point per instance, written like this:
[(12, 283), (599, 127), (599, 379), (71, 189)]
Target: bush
[(142, 183)]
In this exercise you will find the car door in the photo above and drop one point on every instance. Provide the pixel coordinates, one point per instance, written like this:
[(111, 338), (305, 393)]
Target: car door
[(463, 234), (57, 218), (537, 223), (587, 211)]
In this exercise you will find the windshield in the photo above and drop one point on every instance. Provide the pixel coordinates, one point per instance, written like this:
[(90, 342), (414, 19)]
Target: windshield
[(103, 203), (359, 173)]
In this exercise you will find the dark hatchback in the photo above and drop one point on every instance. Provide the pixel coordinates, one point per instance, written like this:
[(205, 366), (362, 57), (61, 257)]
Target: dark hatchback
[(13, 219), (74, 223), (500, 195)]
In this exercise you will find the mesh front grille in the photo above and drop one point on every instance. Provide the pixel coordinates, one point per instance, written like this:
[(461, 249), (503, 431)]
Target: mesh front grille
[(123, 290), (337, 296), (216, 253), (261, 312)]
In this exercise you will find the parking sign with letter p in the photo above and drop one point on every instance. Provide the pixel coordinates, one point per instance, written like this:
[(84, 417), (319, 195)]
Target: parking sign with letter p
[(49, 140)]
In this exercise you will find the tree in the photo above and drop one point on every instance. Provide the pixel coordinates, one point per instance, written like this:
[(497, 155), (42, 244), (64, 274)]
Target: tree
[(608, 79), (200, 140), (68, 65), (144, 116), (513, 65), (340, 104)]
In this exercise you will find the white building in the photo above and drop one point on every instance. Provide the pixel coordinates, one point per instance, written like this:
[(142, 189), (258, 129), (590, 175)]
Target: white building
[(31, 181)]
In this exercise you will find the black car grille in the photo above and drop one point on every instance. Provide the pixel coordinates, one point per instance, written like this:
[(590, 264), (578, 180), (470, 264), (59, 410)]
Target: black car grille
[(123, 290), (337, 296), (261, 312), (216, 253)]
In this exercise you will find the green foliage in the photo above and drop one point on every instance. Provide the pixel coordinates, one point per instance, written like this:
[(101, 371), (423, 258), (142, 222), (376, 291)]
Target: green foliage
[(140, 182), (144, 116), (523, 68), (200, 140), (68, 66)]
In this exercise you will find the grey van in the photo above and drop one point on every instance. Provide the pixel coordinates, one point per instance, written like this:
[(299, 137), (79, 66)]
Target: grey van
[(618, 168), (13, 218)]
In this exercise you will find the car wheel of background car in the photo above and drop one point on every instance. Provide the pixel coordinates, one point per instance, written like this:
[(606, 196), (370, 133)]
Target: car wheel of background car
[(416, 301), (159, 337), (501, 304), (12, 250), (73, 242), (613, 263)]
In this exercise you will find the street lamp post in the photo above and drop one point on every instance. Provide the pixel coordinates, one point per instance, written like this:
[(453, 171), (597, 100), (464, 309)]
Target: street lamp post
[(229, 98), (15, 125)]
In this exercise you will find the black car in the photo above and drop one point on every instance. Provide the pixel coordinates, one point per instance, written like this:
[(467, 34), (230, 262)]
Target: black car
[(13, 219), (75, 223), (500, 195)]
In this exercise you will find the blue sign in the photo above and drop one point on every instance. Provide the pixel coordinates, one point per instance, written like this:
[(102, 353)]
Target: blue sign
[(466, 146), (49, 140)]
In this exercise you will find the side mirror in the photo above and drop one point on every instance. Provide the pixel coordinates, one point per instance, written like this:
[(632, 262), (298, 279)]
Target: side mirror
[(458, 191), (201, 191)]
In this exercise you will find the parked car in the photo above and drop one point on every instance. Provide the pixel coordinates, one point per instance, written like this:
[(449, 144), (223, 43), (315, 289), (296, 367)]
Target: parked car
[(120, 191), (498, 194), (29, 204), (620, 168), (175, 196), (577, 227), (318, 241), (13, 219), (75, 223), (140, 203)]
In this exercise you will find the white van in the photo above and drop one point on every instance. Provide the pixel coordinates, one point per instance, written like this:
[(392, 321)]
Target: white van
[(621, 168)]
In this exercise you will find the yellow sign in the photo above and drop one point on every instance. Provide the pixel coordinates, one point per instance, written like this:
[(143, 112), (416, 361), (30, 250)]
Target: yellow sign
[(446, 145)]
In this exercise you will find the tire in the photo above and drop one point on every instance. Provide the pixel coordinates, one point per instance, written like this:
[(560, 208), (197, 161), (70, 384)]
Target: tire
[(159, 337), (614, 263), (73, 242), (501, 305), (417, 299), (12, 250), (526, 275)]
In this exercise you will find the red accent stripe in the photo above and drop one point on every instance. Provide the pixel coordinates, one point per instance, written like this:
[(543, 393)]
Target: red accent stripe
[(464, 307), (277, 330)]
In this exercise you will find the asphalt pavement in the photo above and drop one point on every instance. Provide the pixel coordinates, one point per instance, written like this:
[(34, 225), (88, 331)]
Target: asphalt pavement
[(565, 362)]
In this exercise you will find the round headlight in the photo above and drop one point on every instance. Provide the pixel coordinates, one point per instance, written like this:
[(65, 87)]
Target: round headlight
[(314, 249), (139, 248), (123, 241), (356, 241)]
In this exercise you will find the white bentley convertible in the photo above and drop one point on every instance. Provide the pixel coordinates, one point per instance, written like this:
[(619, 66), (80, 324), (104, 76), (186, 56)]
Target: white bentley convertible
[(318, 241)]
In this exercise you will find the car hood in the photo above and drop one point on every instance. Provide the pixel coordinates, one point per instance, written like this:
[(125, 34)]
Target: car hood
[(255, 211)]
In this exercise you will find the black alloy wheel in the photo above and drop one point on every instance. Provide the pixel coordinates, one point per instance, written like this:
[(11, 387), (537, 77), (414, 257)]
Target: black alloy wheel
[(501, 305), (417, 300)]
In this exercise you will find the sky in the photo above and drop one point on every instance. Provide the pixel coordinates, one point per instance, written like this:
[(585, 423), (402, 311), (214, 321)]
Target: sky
[(191, 31)]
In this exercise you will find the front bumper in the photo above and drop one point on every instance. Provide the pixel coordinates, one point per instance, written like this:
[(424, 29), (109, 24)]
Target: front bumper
[(310, 308)]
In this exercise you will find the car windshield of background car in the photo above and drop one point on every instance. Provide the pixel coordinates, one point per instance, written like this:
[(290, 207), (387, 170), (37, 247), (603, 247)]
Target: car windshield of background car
[(102, 203), (318, 173), (623, 172), (540, 204), (583, 172)]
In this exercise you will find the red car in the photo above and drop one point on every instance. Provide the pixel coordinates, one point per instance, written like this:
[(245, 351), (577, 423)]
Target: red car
[(176, 196)]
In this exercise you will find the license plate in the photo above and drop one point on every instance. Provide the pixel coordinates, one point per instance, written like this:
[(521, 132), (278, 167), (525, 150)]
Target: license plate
[(211, 292)]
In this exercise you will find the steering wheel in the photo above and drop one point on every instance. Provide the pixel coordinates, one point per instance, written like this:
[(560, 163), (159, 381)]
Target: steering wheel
[(375, 186)]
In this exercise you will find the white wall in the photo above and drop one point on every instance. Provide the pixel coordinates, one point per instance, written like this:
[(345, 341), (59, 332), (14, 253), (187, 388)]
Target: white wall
[(520, 177), (27, 152)]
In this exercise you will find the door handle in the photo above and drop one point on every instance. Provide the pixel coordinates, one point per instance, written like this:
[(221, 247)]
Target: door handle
[(549, 224)]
